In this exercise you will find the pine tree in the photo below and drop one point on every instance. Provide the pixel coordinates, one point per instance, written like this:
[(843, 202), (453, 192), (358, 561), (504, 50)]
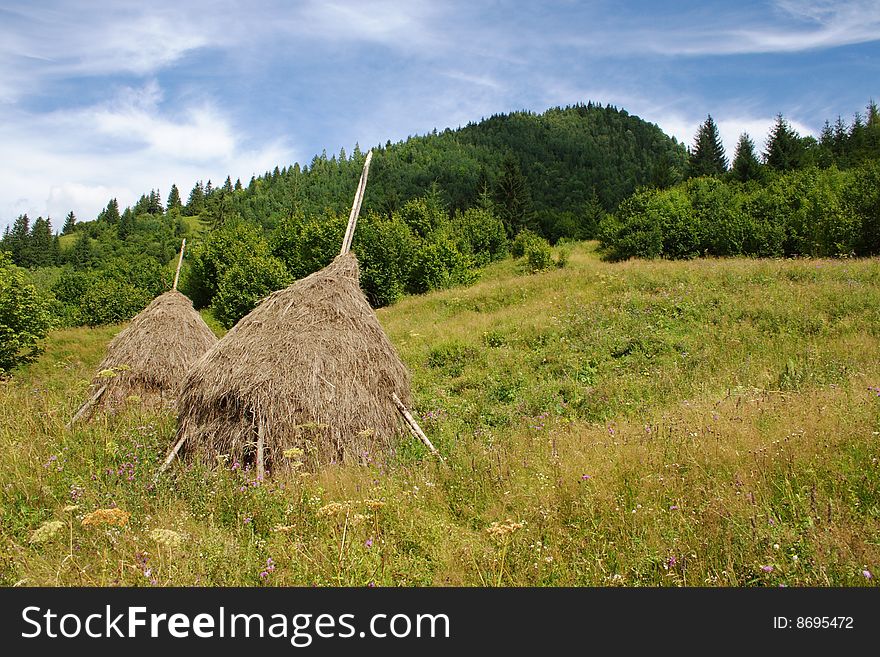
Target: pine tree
[(155, 203), (20, 241), (126, 224), (707, 157), (196, 203), (81, 256), (784, 148), (41, 243), (238, 187), (174, 200), (746, 165), (110, 213), (69, 224), (513, 199), (227, 185)]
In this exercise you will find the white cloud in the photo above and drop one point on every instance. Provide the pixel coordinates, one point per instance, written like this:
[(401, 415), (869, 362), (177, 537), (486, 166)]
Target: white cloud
[(788, 26), (79, 159)]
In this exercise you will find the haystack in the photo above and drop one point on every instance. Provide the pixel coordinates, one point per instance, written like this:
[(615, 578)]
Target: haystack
[(309, 372), (150, 357), (309, 368)]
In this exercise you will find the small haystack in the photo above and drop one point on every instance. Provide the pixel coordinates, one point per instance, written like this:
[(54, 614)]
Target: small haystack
[(150, 357), (309, 368)]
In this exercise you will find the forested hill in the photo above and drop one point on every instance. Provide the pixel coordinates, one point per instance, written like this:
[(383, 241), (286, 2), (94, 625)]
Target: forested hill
[(559, 165), (437, 208)]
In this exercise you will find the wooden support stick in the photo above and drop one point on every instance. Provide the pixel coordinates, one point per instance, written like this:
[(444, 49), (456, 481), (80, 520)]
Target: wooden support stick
[(179, 262), (261, 463), (91, 402), (414, 427), (171, 455), (356, 206)]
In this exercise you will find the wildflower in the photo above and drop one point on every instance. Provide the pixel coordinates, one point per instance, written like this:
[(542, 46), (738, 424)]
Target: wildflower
[(671, 561), (70, 508), (332, 509), (767, 569), (248, 520), (585, 477), (168, 538), (47, 531), (499, 530), (113, 516), (674, 507), (357, 519), (293, 453), (867, 574), (368, 543), (283, 529), (373, 505)]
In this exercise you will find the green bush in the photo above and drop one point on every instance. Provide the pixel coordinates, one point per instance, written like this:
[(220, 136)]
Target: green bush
[(481, 235), (24, 317), (244, 283), (538, 255), (92, 298), (439, 264), (385, 248), (810, 212)]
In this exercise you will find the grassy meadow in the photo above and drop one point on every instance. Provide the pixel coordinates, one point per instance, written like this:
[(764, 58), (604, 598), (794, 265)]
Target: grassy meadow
[(701, 423)]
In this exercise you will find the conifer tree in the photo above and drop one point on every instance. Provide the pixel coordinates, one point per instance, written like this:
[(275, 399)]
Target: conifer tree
[(196, 203), (784, 148), (513, 199), (41, 243), (110, 213), (746, 165), (173, 202), (69, 224), (707, 157)]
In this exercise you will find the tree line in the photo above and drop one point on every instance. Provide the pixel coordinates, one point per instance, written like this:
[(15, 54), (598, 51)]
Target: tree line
[(800, 196)]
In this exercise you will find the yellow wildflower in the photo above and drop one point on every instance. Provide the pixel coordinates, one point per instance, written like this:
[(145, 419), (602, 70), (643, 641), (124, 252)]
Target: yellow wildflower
[(116, 517)]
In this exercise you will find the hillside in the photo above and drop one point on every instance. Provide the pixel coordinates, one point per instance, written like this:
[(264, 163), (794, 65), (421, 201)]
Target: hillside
[(709, 422), (570, 159)]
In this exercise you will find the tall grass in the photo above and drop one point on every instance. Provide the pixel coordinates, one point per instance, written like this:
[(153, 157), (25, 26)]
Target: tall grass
[(713, 422)]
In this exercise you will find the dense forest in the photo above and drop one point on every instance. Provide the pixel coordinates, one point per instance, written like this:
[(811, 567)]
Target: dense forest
[(440, 206)]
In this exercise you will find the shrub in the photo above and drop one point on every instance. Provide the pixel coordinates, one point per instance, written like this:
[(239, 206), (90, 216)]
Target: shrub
[(538, 255), (24, 317), (244, 283), (439, 264)]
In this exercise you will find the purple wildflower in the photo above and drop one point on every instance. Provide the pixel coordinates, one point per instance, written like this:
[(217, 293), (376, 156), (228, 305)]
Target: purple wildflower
[(767, 569), (368, 543), (867, 574)]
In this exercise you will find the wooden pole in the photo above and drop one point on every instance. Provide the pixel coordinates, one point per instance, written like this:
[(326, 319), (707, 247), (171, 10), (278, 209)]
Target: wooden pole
[(356, 206), (171, 455), (261, 463), (91, 402), (179, 262), (414, 427)]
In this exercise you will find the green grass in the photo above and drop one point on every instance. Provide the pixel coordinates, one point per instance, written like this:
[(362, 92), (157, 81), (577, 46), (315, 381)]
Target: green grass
[(641, 423)]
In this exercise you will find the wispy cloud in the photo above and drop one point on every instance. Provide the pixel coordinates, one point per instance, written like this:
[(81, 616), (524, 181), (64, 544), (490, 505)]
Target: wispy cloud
[(78, 159), (783, 27)]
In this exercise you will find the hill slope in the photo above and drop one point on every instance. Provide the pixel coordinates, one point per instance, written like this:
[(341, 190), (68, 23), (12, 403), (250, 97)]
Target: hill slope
[(571, 159), (711, 422)]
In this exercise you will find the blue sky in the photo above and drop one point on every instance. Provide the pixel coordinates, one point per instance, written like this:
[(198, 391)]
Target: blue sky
[(105, 99)]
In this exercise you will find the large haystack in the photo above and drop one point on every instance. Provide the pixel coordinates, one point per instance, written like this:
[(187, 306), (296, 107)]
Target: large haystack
[(150, 357), (309, 368)]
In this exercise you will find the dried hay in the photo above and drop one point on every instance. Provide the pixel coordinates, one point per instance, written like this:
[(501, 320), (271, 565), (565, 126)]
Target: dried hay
[(150, 357), (310, 366)]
